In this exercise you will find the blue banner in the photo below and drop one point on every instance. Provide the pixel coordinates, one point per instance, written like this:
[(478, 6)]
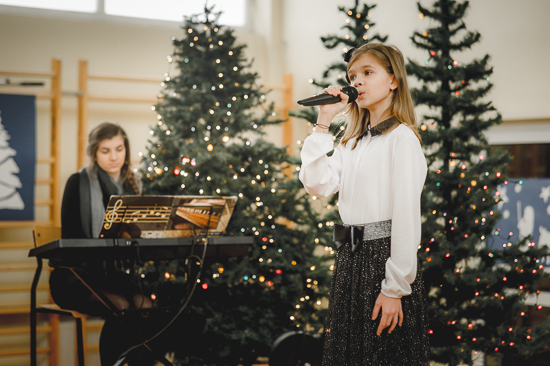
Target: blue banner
[(525, 209), (17, 157)]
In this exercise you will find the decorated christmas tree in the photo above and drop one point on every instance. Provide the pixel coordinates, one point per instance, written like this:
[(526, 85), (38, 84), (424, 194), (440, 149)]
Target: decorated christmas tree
[(477, 281), (358, 23), (209, 140)]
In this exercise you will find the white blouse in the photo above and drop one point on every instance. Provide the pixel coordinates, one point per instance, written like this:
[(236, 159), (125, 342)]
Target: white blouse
[(381, 179)]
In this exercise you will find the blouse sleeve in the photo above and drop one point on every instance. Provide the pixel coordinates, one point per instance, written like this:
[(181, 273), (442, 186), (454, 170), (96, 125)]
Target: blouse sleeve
[(408, 173), (320, 174)]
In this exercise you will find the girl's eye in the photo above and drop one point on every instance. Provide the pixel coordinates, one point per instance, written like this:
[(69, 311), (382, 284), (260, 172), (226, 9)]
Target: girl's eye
[(352, 77), (368, 72)]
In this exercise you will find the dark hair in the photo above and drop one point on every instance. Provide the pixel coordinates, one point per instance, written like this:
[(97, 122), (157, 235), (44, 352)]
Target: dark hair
[(105, 131)]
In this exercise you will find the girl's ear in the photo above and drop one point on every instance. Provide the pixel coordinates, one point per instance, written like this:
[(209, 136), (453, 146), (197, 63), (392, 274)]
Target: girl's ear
[(393, 84)]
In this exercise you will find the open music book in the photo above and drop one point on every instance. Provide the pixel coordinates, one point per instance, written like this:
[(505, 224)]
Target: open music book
[(166, 216)]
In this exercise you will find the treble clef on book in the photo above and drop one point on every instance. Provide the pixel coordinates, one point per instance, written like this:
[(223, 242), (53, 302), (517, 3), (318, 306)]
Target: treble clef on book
[(112, 215)]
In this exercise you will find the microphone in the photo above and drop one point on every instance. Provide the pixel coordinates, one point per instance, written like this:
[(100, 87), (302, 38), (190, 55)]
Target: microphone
[(325, 98)]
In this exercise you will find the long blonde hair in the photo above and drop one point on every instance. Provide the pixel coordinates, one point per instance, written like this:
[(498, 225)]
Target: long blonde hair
[(401, 107)]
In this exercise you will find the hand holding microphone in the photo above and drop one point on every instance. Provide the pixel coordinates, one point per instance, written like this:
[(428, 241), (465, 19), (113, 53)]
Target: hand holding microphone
[(330, 104), (326, 98)]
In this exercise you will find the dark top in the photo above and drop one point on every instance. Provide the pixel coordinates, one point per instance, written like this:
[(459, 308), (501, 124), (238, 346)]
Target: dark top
[(71, 221), (67, 291)]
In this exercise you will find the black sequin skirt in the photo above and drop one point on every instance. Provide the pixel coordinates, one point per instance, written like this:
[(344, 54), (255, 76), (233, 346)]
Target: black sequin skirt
[(350, 332)]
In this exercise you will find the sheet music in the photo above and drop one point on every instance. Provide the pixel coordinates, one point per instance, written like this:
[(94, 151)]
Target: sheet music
[(166, 216)]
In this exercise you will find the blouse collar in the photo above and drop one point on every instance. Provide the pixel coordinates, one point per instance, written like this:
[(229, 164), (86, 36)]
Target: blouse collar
[(380, 128)]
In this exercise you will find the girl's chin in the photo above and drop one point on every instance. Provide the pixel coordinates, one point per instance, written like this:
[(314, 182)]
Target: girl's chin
[(363, 104), (113, 170)]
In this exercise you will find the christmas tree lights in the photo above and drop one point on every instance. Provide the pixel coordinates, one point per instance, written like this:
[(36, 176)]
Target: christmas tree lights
[(476, 293)]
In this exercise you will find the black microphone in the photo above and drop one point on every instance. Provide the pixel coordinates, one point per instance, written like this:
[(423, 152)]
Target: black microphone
[(325, 98)]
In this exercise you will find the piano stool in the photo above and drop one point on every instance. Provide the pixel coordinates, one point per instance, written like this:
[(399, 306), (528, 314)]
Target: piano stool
[(79, 319), (43, 235)]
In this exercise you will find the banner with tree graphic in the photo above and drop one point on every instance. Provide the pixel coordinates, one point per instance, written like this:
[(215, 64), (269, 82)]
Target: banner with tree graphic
[(525, 209), (17, 157)]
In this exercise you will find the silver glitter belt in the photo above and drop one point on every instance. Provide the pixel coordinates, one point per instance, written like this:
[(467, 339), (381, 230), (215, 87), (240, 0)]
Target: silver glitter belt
[(355, 234)]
